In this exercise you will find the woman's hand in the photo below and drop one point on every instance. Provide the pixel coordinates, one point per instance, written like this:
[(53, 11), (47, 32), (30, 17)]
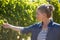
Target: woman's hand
[(6, 25), (15, 28)]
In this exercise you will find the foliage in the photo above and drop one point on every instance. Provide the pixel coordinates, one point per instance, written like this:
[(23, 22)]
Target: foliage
[(56, 13), (21, 13), (1, 22)]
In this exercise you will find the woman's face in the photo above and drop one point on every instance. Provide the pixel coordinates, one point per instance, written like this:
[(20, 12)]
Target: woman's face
[(40, 15)]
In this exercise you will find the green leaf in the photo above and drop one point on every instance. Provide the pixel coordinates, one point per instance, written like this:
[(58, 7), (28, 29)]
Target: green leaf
[(1, 22)]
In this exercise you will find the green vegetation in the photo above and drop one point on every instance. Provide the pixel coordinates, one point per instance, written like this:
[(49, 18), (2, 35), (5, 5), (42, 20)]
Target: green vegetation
[(1, 22), (21, 13)]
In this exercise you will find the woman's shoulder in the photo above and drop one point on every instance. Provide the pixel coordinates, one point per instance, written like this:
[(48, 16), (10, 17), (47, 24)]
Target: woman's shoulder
[(36, 25), (56, 24)]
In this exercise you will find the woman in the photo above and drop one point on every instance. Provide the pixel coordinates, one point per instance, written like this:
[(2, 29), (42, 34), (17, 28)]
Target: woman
[(46, 30)]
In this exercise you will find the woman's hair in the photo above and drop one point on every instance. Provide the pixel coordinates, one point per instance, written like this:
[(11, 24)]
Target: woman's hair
[(46, 8)]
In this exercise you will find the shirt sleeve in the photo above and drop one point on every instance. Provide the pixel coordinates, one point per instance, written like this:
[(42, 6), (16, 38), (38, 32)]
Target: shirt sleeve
[(29, 29)]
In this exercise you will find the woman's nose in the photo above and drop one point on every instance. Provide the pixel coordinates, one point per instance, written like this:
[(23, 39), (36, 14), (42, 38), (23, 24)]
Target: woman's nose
[(36, 16)]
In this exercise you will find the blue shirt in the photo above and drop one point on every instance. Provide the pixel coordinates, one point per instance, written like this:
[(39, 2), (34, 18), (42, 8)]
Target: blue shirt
[(53, 31)]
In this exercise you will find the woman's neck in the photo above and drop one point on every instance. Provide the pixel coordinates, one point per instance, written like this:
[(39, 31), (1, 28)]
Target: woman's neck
[(45, 24)]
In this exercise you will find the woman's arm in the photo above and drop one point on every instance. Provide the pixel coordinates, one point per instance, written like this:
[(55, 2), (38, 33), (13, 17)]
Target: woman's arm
[(15, 28), (23, 30)]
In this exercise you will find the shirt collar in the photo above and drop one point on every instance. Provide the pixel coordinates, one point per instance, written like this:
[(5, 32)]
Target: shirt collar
[(49, 25)]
